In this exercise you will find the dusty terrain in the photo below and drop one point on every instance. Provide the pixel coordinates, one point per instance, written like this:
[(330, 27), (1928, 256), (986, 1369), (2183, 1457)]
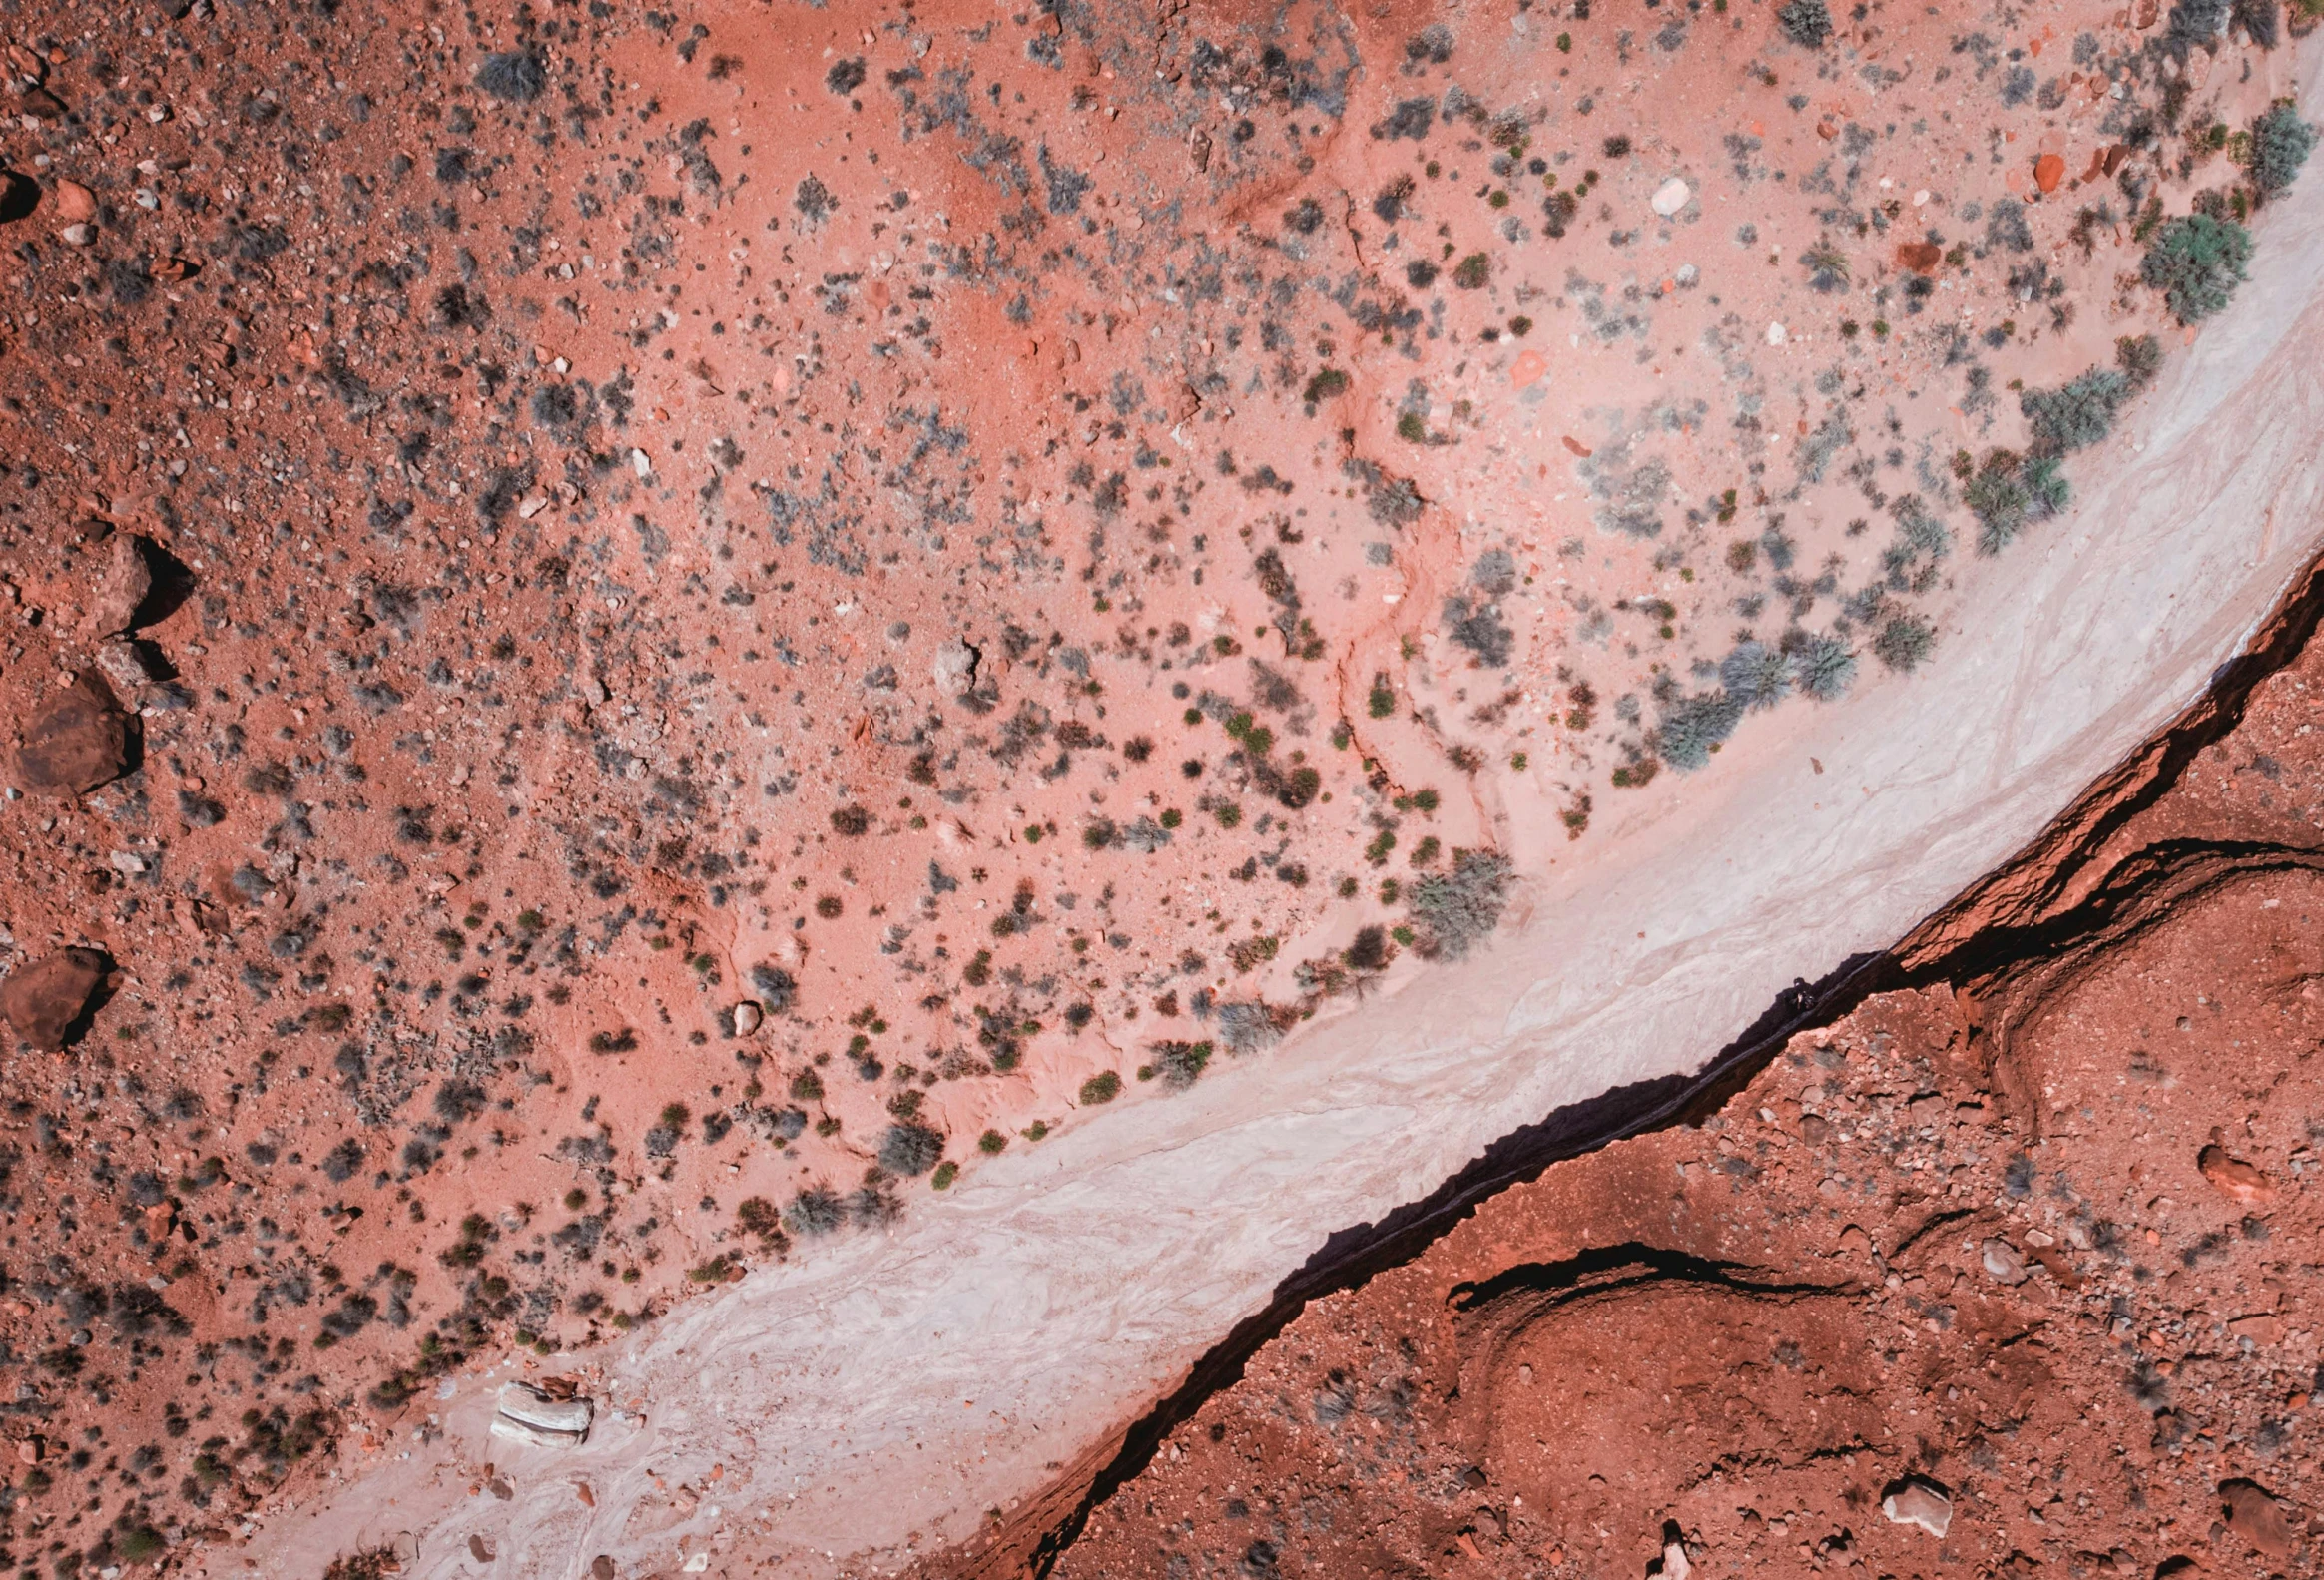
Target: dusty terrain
[(2012, 1268), (628, 646)]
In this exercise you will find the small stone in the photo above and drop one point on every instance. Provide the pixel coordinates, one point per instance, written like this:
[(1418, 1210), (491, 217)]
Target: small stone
[(75, 203), (2002, 1261), (77, 743), (2234, 1178), (601, 1568), (79, 235), (2048, 171), (1674, 1563), (1776, 334), (1921, 257), (954, 664), (124, 668), (2256, 1516), (43, 1001), (1919, 1502), (1670, 197), (747, 1018)]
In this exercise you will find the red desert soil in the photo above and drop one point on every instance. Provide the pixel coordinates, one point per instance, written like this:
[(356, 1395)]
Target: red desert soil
[(633, 635), (2012, 1271)]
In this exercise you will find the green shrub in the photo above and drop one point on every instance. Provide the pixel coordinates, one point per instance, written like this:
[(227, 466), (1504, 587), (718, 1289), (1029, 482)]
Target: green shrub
[(1103, 1087), (2281, 145), (2197, 262), (1327, 383), (946, 1174), (992, 1141), (1461, 906), (1822, 667), (1999, 502), (2139, 356), (2077, 415), (1180, 1064), (1471, 273), (1904, 642)]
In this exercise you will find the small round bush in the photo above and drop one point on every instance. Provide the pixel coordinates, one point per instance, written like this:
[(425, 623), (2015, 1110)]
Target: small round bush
[(2197, 262), (1103, 1087), (1809, 22), (515, 75), (911, 1149), (1904, 642), (814, 1210), (775, 986), (1823, 668)]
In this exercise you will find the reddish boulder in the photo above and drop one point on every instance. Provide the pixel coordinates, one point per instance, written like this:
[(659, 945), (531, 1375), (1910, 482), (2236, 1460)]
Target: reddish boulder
[(2048, 171), (121, 586), (77, 743), (2257, 1517), (1921, 257), (43, 1000)]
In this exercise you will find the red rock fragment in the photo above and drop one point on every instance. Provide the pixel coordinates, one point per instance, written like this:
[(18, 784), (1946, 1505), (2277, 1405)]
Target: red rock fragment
[(77, 743), (1577, 447), (1921, 257), (2048, 171), (122, 586), (2257, 1517), (43, 1000), (2234, 1178)]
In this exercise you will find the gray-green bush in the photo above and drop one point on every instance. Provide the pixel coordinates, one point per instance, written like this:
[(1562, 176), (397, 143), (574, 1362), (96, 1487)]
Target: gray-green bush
[(1756, 674), (1904, 642), (2197, 262), (1809, 22), (2281, 145), (1822, 667), (911, 1149), (2078, 414), (1461, 906), (1693, 724)]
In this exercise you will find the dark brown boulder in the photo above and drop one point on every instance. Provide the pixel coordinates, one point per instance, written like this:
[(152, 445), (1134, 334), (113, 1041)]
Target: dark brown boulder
[(43, 1000), (77, 741)]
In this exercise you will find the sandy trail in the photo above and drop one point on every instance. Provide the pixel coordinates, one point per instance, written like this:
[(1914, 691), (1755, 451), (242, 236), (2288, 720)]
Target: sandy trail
[(878, 1396)]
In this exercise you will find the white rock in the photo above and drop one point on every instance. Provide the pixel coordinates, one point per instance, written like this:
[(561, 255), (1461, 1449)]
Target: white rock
[(1674, 1564), (641, 464), (528, 1406), (955, 661), (746, 1017), (534, 1436), (1671, 197), (2003, 1263), (1774, 334), (1920, 1503)]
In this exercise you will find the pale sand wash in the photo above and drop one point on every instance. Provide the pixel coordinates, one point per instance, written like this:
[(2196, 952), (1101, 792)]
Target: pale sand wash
[(879, 1395)]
